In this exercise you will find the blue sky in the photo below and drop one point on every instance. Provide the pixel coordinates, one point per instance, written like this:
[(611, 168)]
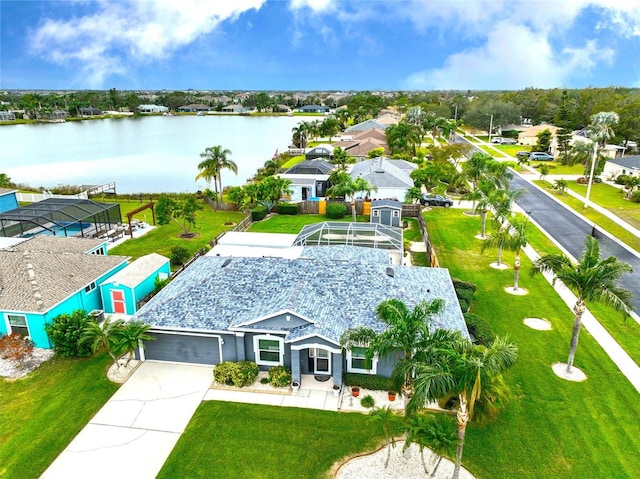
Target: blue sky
[(319, 44)]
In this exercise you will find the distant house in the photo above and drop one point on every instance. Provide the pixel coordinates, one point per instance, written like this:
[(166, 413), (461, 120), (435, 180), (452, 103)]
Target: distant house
[(90, 111), (626, 165), (310, 167), (153, 109), (320, 151), (366, 125), (304, 187), (314, 109), (45, 276), (282, 108), (236, 108), (122, 292), (196, 107), (8, 199), (529, 136), (7, 116), (386, 212), (392, 177)]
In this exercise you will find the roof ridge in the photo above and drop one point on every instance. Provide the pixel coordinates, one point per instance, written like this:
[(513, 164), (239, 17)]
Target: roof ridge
[(31, 277)]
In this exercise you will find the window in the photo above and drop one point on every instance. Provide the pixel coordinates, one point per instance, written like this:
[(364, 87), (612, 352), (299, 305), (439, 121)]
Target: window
[(396, 214), (357, 361), (18, 324), (90, 287), (269, 350), (376, 213)]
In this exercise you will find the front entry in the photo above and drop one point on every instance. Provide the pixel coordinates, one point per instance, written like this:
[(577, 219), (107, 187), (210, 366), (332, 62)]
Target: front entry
[(319, 361), (117, 300)]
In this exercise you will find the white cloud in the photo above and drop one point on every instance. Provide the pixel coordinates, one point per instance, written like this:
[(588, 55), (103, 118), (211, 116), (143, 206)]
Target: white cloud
[(513, 57), (314, 5), (104, 43)]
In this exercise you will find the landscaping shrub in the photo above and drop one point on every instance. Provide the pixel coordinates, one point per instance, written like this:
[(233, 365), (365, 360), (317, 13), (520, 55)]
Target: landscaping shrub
[(635, 197), (464, 292), (336, 210), (15, 347), (258, 213), (288, 208), (367, 401), (240, 374), (65, 332), (367, 381), (279, 376), (479, 329), (179, 255), (621, 179)]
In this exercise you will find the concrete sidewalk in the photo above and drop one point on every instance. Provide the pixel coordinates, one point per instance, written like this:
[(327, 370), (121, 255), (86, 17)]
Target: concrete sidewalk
[(136, 430)]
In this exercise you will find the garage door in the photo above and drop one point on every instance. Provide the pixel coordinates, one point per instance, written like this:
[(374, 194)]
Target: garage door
[(183, 348)]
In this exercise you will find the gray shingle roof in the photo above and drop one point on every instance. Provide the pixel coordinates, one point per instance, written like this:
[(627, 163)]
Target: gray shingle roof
[(366, 125), (627, 161), (385, 173), (337, 295), (58, 244)]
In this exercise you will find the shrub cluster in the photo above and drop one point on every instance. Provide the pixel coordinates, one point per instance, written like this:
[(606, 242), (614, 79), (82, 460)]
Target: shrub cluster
[(258, 213), (464, 292), (367, 401), (288, 208), (479, 329), (279, 376), (15, 347), (635, 196), (65, 332), (239, 374), (336, 210), (179, 255), (368, 381)]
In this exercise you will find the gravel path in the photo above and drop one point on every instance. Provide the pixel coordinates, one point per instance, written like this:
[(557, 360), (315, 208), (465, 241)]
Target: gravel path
[(14, 370)]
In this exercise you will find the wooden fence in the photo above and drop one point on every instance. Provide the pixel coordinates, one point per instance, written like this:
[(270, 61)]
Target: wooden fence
[(431, 254)]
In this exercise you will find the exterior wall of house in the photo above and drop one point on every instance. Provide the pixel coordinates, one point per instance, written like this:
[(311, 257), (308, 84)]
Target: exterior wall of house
[(149, 283), (392, 193), (107, 301), (385, 216), (35, 323), (250, 354), (612, 171), (8, 202)]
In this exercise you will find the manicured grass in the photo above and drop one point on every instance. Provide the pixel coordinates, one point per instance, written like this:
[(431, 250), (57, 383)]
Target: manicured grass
[(599, 219), (292, 224), (42, 413), (557, 168), (612, 199), (412, 231), (251, 441), (294, 160), (552, 428), (209, 224)]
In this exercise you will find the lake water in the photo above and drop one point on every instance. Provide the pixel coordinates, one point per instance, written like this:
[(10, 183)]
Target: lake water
[(149, 154)]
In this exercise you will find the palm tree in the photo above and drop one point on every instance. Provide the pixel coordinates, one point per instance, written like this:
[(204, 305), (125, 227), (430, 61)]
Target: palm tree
[(103, 336), (517, 240), (498, 239), (436, 432), (460, 370), (591, 279), (475, 169), (300, 135), (130, 335), (341, 159), (389, 423), (214, 161), (346, 186), (599, 131), (560, 185), (484, 202)]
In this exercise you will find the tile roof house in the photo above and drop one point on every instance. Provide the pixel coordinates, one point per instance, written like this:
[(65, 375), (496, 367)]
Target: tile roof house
[(291, 312), (392, 177), (45, 276), (626, 165)]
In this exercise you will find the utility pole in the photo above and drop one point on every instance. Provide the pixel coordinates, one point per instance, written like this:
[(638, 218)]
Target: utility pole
[(490, 126)]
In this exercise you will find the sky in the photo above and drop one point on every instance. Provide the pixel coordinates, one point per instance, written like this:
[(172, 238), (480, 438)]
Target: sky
[(332, 45)]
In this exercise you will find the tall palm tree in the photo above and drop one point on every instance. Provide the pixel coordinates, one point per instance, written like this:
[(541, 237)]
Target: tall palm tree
[(460, 370), (475, 169), (591, 279), (599, 131), (130, 335), (518, 239), (389, 423), (483, 196), (214, 161), (345, 186), (103, 336), (499, 239)]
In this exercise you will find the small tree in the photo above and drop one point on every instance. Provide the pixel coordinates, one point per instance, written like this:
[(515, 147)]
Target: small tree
[(105, 336), (560, 185), (181, 210), (544, 140), (544, 171), (388, 420), (130, 335), (65, 332), (436, 432)]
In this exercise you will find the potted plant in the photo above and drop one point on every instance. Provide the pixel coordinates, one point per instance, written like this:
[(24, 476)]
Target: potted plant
[(295, 385), (355, 391), (336, 390), (391, 395)]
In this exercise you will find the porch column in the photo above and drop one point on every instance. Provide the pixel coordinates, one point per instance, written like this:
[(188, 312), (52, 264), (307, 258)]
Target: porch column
[(295, 365), (336, 366), (240, 346)]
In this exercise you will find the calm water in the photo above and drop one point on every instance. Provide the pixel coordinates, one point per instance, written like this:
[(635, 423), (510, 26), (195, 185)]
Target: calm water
[(152, 154)]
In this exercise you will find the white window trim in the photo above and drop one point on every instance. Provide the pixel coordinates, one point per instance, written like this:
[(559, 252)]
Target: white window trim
[(90, 287), (376, 213), (26, 321), (270, 337), (396, 214), (351, 369)]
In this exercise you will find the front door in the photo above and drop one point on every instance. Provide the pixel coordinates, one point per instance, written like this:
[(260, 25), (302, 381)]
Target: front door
[(321, 360), (117, 299)]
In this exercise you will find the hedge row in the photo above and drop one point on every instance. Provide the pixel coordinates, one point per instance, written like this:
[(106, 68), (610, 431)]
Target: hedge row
[(368, 381)]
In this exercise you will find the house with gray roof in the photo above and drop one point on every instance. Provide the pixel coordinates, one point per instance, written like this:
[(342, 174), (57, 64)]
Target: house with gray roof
[(44, 276), (287, 311), (366, 125), (626, 165), (392, 177)]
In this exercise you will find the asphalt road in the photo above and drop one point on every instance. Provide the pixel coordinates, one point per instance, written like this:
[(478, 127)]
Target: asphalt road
[(569, 230)]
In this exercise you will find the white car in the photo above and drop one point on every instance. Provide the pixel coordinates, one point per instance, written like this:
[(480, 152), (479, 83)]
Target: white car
[(504, 141)]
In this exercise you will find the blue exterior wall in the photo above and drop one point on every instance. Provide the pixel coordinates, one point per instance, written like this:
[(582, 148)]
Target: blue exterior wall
[(149, 284), (129, 300), (250, 354), (8, 202)]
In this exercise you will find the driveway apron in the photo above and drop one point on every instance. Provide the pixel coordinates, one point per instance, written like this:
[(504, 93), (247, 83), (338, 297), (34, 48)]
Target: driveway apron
[(134, 432)]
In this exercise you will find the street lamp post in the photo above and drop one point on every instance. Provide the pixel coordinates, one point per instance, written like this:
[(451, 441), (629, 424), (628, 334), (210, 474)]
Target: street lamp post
[(490, 126)]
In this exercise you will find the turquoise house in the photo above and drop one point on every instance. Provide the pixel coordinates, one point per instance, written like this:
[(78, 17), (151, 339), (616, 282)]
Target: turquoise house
[(122, 292), (44, 276), (8, 200)]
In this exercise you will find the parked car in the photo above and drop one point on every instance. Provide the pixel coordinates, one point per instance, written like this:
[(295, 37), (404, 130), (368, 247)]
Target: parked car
[(523, 154), (436, 200), (509, 141), (540, 156), (496, 139)]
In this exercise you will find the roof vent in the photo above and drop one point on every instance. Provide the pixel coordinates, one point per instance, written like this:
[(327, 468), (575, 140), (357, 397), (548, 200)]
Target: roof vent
[(226, 263), (390, 272)]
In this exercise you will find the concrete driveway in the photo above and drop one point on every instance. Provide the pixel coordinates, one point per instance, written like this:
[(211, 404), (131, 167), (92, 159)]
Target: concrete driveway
[(134, 432)]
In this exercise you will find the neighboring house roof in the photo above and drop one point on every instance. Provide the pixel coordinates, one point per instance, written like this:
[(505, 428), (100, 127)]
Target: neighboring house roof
[(387, 119), (361, 148), (386, 203), (59, 244), (310, 167), (385, 173), (534, 130), (366, 125), (138, 271), (376, 133), (631, 162), (6, 191), (304, 180), (220, 294), (36, 281)]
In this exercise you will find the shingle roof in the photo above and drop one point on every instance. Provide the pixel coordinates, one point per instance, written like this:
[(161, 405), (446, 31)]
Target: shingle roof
[(135, 273), (6, 191), (35, 281), (632, 161), (217, 293), (366, 125), (388, 203), (58, 244), (385, 173)]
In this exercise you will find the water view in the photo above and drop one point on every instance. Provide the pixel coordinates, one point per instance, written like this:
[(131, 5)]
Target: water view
[(151, 154)]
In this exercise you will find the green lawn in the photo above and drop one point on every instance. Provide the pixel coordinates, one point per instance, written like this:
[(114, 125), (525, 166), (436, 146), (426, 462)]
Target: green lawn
[(41, 414), (557, 168), (294, 160), (209, 224), (250, 441), (292, 224), (553, 428), (612, 199)]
